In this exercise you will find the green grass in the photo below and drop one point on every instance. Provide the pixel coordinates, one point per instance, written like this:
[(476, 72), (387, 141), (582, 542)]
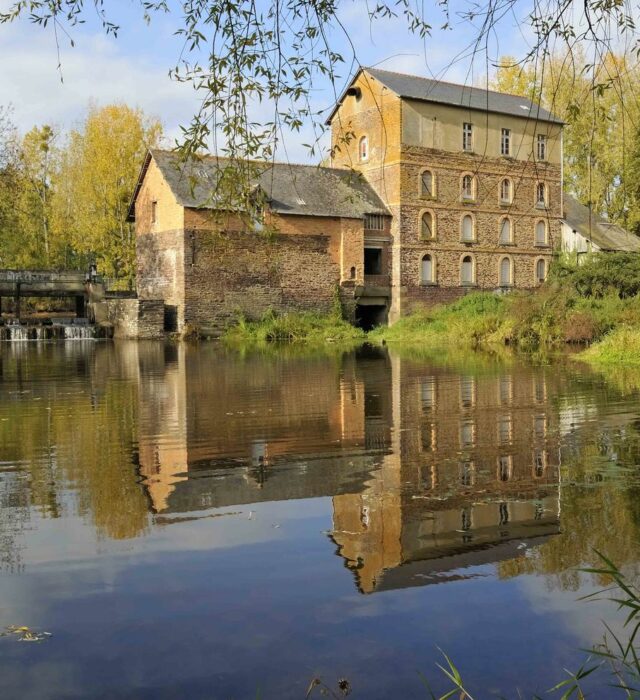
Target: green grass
[(474, 319), (619, 347), (308, 328)]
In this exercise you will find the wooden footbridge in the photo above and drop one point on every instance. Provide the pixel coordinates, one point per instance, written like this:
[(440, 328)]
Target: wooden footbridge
[(18, 284)]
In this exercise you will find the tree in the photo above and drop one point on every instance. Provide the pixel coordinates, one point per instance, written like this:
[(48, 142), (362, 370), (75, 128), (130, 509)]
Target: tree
[(98, 171), (601, 107), (37, 162)]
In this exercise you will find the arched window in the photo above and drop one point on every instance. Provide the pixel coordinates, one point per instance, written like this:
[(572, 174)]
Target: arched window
[(541, 271), (505, 232), (467, 270), (427, 225), (468, 187), (541, 232), (426, 184), (352, 273), (541, 195), (506, 272), (467, 232), (505, 191), (427, 270), (363, 149), (539, 463)]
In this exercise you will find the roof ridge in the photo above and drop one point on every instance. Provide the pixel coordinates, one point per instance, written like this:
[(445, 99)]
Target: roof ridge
[(448, 82), (319, 166)]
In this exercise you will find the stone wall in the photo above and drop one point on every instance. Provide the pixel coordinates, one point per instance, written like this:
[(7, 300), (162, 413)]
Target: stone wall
[(133, 318), (227, 274)]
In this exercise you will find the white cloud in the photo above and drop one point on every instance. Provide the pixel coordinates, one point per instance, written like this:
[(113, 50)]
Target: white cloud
[(97, 70)]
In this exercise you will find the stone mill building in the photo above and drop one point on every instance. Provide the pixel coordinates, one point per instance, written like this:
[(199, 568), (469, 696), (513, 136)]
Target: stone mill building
[(434, 190)]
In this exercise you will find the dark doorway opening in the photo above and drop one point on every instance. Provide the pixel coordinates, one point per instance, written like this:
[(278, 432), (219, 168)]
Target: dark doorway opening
[(372, 261), (368, 317)]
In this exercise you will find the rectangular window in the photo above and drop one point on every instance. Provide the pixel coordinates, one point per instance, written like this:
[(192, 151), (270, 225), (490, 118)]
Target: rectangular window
[(372, 261), (374, 222), (467, 137), (542, 147), (505, 142), (154, 212)]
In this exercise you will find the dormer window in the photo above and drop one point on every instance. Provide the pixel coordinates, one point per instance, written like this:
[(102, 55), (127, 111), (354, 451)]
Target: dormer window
[(364, 149), (467, 136)]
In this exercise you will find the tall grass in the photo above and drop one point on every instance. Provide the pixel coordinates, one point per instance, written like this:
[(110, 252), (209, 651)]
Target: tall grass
[(310, 328)]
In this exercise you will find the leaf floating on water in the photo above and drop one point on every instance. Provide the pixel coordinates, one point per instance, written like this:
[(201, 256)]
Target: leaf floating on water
[(25, 634)]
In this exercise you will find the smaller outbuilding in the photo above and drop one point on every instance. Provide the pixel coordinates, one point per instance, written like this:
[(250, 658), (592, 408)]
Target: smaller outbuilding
[(584, 231)]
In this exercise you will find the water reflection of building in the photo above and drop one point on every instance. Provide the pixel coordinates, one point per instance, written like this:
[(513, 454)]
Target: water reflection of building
[(429, 470), (472, 478), (216, 432)]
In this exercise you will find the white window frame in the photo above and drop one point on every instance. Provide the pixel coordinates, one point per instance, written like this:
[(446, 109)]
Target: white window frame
[(467, 136), (472, 282), (468, 195), (433, 225), (503, 220), (432, 276), (509, 282), (505, 142), (509, 198), (541, 147), (536, 242), (363, 154)]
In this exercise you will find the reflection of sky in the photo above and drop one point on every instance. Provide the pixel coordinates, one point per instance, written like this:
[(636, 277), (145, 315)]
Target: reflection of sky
[(219, 606)]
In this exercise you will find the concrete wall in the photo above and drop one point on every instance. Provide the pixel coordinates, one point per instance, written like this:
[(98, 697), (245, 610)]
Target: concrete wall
[(439, 126)]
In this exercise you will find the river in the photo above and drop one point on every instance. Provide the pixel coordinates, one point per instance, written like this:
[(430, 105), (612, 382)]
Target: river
[(187, 521)]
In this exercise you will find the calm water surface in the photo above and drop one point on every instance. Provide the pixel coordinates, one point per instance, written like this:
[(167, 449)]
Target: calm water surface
[(193, 523)]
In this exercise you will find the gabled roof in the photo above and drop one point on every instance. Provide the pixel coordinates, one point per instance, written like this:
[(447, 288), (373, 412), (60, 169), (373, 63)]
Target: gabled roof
[(605, 235), (414, 87), (305, 190)]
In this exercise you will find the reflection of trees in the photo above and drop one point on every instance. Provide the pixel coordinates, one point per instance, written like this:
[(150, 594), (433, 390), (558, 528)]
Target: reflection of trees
[(68, 433), (600, 510)]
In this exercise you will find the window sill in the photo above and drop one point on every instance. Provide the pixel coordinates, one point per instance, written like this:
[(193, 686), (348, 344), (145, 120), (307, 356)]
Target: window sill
[(541, 245), (428, 197), (511, 244), (433, 239), (505, 203), (469, 285), (468, 200), (467, 242), (541, 206), (428, 284)]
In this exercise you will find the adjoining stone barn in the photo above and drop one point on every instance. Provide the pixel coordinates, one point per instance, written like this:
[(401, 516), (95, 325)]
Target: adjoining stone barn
[(435, 190)]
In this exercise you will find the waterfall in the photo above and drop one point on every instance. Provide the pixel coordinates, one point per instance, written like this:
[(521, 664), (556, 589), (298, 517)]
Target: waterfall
[(16, 332), (77, 332)]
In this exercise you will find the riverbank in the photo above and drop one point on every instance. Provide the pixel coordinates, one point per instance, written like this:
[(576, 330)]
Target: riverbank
[(594, 305)]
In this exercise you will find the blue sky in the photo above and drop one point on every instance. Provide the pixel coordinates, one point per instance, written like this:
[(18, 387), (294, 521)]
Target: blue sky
[(133, 68)]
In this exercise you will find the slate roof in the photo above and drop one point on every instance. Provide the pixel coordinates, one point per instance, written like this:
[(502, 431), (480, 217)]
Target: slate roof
[(428, 90), (306, 190), (605, 235)]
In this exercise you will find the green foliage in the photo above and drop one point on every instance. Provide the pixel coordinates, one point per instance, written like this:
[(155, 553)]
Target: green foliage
[(603, 274), (620, 347), (64, 198), (311, 328), (473, 319)]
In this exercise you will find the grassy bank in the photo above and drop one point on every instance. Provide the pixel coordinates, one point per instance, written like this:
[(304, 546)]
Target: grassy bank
[(595, 304), (307, 328)]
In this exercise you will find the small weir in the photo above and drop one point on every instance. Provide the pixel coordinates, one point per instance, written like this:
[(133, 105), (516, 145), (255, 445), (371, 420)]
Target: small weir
[(76, 329)]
